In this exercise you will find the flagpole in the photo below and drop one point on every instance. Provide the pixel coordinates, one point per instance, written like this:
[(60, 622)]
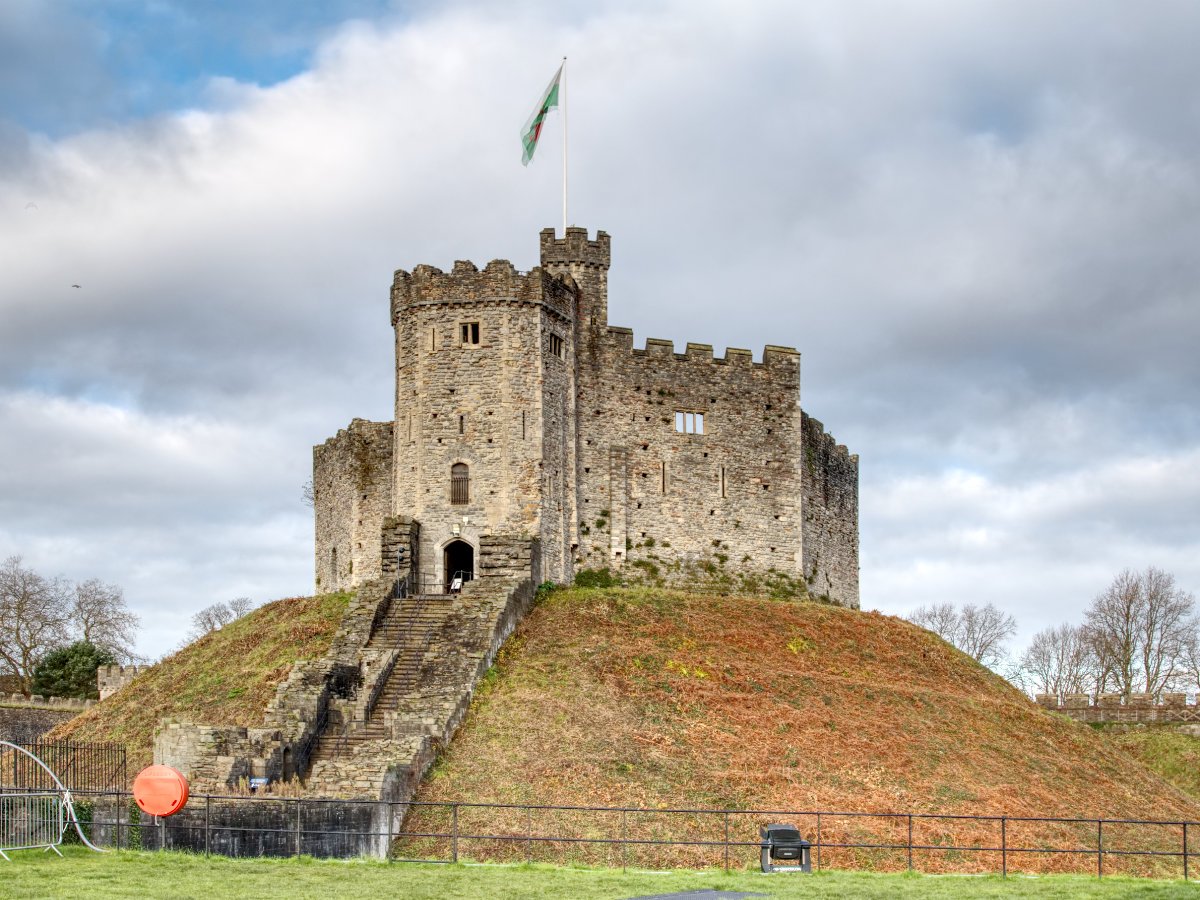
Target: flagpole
[(564, 114)]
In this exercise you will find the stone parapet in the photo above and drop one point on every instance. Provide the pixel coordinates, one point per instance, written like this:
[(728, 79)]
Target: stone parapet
[(110, 679), (1113, 708), (37, 700)]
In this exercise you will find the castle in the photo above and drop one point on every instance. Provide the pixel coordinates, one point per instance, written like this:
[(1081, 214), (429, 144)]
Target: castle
[(520, 412)]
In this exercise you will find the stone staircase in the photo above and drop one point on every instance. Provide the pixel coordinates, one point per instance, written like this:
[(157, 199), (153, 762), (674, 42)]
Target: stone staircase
[(347, 756)]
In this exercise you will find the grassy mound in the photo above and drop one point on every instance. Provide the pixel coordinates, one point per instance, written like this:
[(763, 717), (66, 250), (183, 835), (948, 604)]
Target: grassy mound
[(1172, 754), (226, 677), (652, 698)]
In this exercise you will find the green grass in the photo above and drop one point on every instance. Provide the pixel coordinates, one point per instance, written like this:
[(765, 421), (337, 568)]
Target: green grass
[(1172, 754), (226, 677), (180, 876)]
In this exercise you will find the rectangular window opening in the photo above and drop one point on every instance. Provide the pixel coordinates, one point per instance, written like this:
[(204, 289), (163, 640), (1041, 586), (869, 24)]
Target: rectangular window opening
[(522, 426), (689, 422), (462, 424), (470, 334), (432, 338), (556, 345), (664, 477)]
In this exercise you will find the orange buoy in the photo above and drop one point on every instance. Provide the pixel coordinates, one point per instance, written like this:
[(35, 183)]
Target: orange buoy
[(160, 790)]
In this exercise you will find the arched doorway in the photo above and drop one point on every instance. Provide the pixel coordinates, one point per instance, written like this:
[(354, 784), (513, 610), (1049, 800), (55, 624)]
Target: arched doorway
[(458, 563)]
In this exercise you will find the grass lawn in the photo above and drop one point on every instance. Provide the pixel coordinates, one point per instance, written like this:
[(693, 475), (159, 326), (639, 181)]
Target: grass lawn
[(180, 876)]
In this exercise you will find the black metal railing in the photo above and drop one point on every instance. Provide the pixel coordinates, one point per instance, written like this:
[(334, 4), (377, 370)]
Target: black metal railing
[(449, 831), (79, 766), (432, 584)]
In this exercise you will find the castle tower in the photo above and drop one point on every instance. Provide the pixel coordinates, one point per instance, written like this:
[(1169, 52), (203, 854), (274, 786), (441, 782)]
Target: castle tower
[(485, 419), (587, 263)]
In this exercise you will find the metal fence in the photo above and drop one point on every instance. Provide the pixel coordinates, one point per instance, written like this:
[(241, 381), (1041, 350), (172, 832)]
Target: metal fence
[(79, 766), (33, 821), (633, 837)]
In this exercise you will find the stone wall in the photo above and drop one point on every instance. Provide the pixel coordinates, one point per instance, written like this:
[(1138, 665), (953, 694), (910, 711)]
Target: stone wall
[(352, 493), (1140, 709), (23, 719), (217, 757), (829, 477), (500, 403), (729, 495), (110, 679)]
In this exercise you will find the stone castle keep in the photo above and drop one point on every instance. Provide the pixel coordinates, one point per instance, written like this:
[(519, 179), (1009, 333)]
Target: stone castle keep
[(522, 415)]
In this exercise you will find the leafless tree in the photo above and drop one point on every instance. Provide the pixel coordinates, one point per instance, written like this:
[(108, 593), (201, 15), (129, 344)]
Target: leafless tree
[(99, 615), (34, 618), (239, 606), (979, 631), (218, 615), (940, 618), (308, 494), (1140, 627), (1191, 661), (1059, 660)]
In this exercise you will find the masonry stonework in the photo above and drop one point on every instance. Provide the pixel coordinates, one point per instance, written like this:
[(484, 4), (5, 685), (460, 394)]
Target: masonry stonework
[(110, 679), (25, 719), (1137, 709), (520, 410)]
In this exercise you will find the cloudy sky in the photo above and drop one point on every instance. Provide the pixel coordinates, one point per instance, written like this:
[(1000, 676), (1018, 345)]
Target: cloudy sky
[(978, 221)]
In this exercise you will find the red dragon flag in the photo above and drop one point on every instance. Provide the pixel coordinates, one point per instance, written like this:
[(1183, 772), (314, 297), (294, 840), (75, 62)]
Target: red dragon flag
[(533, 128)]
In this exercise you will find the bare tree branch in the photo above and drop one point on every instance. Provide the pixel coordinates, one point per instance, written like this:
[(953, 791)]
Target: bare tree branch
[(99, 616), (34, 617), (1140, 627), (979, 631), (1060, 661), (218, 615)]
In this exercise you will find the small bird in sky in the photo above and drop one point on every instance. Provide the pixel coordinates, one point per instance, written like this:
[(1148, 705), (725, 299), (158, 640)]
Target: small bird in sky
[(31, 205), (74, 285)]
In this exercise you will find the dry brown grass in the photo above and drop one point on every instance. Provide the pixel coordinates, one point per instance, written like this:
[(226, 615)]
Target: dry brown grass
[(225, 678), (651, 698)]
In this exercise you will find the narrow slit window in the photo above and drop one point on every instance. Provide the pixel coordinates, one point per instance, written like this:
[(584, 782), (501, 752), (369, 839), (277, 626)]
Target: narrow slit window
[(460, 483), (432, 338), (470, 334), (522, 426), (462, 424), (664, 477), (724, 492), (689, 422)]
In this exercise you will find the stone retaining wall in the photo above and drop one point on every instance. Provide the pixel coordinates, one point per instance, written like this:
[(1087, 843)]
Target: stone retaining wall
[(23, 719), (1138, 709)]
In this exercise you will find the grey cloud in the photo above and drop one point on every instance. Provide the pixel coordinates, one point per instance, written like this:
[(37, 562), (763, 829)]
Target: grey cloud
[(977, 224)]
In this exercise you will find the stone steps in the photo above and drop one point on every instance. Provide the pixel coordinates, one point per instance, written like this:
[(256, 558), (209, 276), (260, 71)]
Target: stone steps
[(405, 628)]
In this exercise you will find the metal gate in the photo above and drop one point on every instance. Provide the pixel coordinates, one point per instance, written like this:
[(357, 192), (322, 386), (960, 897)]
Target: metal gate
[(34, 819)]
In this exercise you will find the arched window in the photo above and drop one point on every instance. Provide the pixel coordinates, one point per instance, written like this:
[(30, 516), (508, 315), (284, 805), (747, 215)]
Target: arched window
[(460, 483)]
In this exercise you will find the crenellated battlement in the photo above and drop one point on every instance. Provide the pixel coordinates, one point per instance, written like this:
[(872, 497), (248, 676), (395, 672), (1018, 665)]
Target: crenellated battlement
[(575, 248), (1141, 709), (663, 348), (110, 679), (499, 281)]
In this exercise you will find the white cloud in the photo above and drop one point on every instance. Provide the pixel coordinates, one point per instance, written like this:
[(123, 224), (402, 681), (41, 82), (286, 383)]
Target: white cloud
[(977, 223)]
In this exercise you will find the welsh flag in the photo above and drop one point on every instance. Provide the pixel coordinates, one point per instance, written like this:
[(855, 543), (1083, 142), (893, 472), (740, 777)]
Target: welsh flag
[(533, 128)]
